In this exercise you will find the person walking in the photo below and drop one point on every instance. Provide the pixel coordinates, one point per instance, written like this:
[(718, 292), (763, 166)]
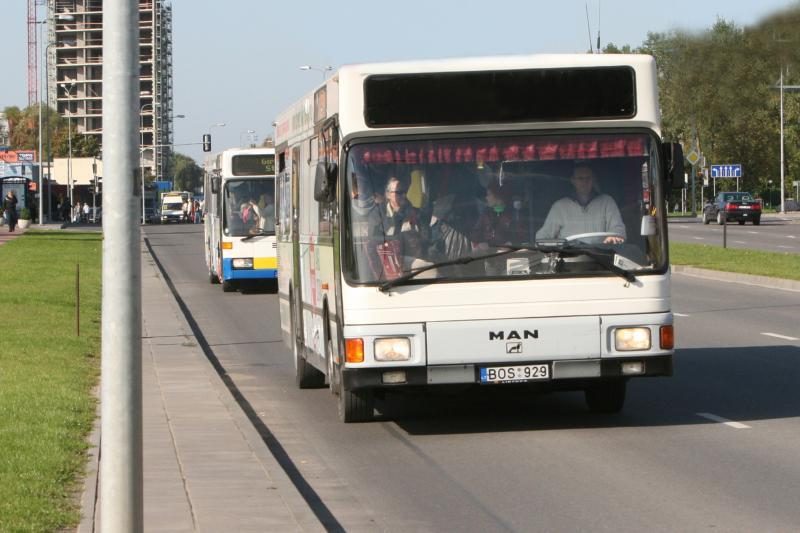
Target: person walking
[(85, 212), (10, 210)]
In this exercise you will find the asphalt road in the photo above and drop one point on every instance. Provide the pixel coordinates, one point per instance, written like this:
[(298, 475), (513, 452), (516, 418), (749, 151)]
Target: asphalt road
[(774, 234), (712, 448)]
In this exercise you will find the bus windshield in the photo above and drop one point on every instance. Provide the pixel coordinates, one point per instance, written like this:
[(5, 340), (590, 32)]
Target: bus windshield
[(503, 207), (249, 207)]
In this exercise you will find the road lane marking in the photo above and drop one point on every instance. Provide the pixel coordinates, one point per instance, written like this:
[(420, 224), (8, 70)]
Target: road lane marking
[(778, 336), (787, 247), (679, 314), (740, 242), (729, 423), (699, 238), (791, 237), (753, 232)]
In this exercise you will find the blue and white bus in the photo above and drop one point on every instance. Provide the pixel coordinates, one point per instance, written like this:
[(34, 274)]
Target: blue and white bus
[(239, 210)]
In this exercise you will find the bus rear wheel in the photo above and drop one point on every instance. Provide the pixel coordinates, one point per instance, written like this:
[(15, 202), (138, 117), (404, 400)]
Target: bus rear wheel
[(606, 397), (305, 375)]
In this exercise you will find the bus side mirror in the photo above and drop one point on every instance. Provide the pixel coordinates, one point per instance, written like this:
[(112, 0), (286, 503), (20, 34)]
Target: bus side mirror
[(673, 156), (325, 181), (215, 184)]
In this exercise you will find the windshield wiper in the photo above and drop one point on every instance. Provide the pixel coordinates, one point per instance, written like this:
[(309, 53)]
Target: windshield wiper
[(603, 257), (459, 261), (260, 233)]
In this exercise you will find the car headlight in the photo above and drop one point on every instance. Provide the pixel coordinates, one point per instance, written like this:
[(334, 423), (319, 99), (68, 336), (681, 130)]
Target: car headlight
[(630, 339), (243, 262), (393, 349)]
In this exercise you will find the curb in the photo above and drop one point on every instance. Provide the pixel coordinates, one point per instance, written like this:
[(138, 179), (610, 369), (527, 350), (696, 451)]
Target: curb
[(732, 277), (92, 473)]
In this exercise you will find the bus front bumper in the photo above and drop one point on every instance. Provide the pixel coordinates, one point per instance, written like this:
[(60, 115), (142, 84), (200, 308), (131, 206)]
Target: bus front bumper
[(564, 374), (261, 270)]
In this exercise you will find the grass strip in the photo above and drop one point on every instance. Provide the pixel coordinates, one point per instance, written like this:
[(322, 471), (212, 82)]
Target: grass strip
[(47, 374), (753, 262)]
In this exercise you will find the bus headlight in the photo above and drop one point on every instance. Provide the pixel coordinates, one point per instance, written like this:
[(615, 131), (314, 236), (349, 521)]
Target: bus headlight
[(393, 349), (630, 339), (243, 262)]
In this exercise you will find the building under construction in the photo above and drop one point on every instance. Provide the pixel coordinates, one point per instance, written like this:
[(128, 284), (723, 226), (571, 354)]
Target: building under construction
[(75, 73)]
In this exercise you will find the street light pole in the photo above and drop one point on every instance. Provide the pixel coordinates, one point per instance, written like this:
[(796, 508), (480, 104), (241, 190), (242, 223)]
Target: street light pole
[(323, 70), (782, 178), (68, 89), (41, 188), (248, 133), (217, 125), (141, 154)]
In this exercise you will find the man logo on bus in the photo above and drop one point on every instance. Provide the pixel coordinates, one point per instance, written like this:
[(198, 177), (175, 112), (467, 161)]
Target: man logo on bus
[(513, 335), (514, 347)]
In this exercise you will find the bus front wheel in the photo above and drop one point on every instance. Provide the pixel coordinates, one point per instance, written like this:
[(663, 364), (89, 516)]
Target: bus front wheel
[(355, 406), (228, 286), (606, 397)]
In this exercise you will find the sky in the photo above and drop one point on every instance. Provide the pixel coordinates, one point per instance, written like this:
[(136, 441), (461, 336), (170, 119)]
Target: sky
[(237, 62)]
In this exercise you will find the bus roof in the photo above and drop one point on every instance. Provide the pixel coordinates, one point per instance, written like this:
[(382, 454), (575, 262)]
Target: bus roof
[(343, 94)]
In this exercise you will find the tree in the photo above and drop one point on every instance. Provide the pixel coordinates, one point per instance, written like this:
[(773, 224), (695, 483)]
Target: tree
[(24, 126), (188, 175)]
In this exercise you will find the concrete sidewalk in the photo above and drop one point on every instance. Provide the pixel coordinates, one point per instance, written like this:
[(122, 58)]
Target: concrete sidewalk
[(205, 467)]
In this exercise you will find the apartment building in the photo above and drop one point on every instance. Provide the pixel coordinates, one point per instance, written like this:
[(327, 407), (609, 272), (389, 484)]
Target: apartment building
[(75, 73)]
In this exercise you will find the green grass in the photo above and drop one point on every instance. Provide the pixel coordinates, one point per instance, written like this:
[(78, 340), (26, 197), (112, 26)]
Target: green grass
[(771, 264), (46, 376)]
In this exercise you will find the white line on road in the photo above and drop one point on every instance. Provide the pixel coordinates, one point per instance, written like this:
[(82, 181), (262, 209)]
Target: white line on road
[(739, 242), (787, 247), (753, 232), (778, 336), (684, 227), (679, 314), (729, 423), (699, 238), (791, 237)]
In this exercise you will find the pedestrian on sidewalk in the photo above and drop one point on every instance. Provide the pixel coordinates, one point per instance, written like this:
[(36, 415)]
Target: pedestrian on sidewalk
[(10, 210), (85, 212)]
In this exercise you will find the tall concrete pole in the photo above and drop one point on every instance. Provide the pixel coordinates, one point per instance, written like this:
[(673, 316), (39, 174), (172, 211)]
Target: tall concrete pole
[(121, 390)]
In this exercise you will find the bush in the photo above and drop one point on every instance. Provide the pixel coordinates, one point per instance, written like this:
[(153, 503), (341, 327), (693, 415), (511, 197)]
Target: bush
[(25, 213)]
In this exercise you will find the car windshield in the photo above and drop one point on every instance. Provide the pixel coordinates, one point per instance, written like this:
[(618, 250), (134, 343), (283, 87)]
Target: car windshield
[(249, 207), (480, 208), (173, 206), (737, 197)]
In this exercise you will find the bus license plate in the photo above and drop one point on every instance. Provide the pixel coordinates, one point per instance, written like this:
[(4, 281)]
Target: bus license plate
[(514, 374)]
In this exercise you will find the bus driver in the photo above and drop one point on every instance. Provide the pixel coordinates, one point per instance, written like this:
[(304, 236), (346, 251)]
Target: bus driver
[(585, 211)]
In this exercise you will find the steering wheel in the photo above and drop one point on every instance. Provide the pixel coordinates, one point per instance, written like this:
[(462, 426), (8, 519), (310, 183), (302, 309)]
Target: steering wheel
[(600, 235)]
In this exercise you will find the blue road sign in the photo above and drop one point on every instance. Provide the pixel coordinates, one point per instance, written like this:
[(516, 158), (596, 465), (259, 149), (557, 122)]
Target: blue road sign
[(726, 171)]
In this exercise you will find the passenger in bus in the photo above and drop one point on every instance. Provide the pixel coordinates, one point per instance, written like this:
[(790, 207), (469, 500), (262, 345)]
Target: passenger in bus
[(497, 224), (249, 214), (398, 231), (584, 211), (265, 209), (399, 219)]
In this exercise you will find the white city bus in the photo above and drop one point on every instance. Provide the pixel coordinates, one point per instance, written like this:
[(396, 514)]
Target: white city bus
[(453, 286), (240, 216)]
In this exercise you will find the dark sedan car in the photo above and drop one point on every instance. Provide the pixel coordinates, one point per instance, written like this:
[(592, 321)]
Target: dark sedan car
[(730, 206)]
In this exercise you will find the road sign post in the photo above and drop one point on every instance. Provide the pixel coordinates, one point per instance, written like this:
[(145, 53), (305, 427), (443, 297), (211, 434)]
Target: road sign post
[(726, 171)]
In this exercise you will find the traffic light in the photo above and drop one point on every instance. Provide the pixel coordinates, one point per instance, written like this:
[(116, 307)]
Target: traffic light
[(206, 142)]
